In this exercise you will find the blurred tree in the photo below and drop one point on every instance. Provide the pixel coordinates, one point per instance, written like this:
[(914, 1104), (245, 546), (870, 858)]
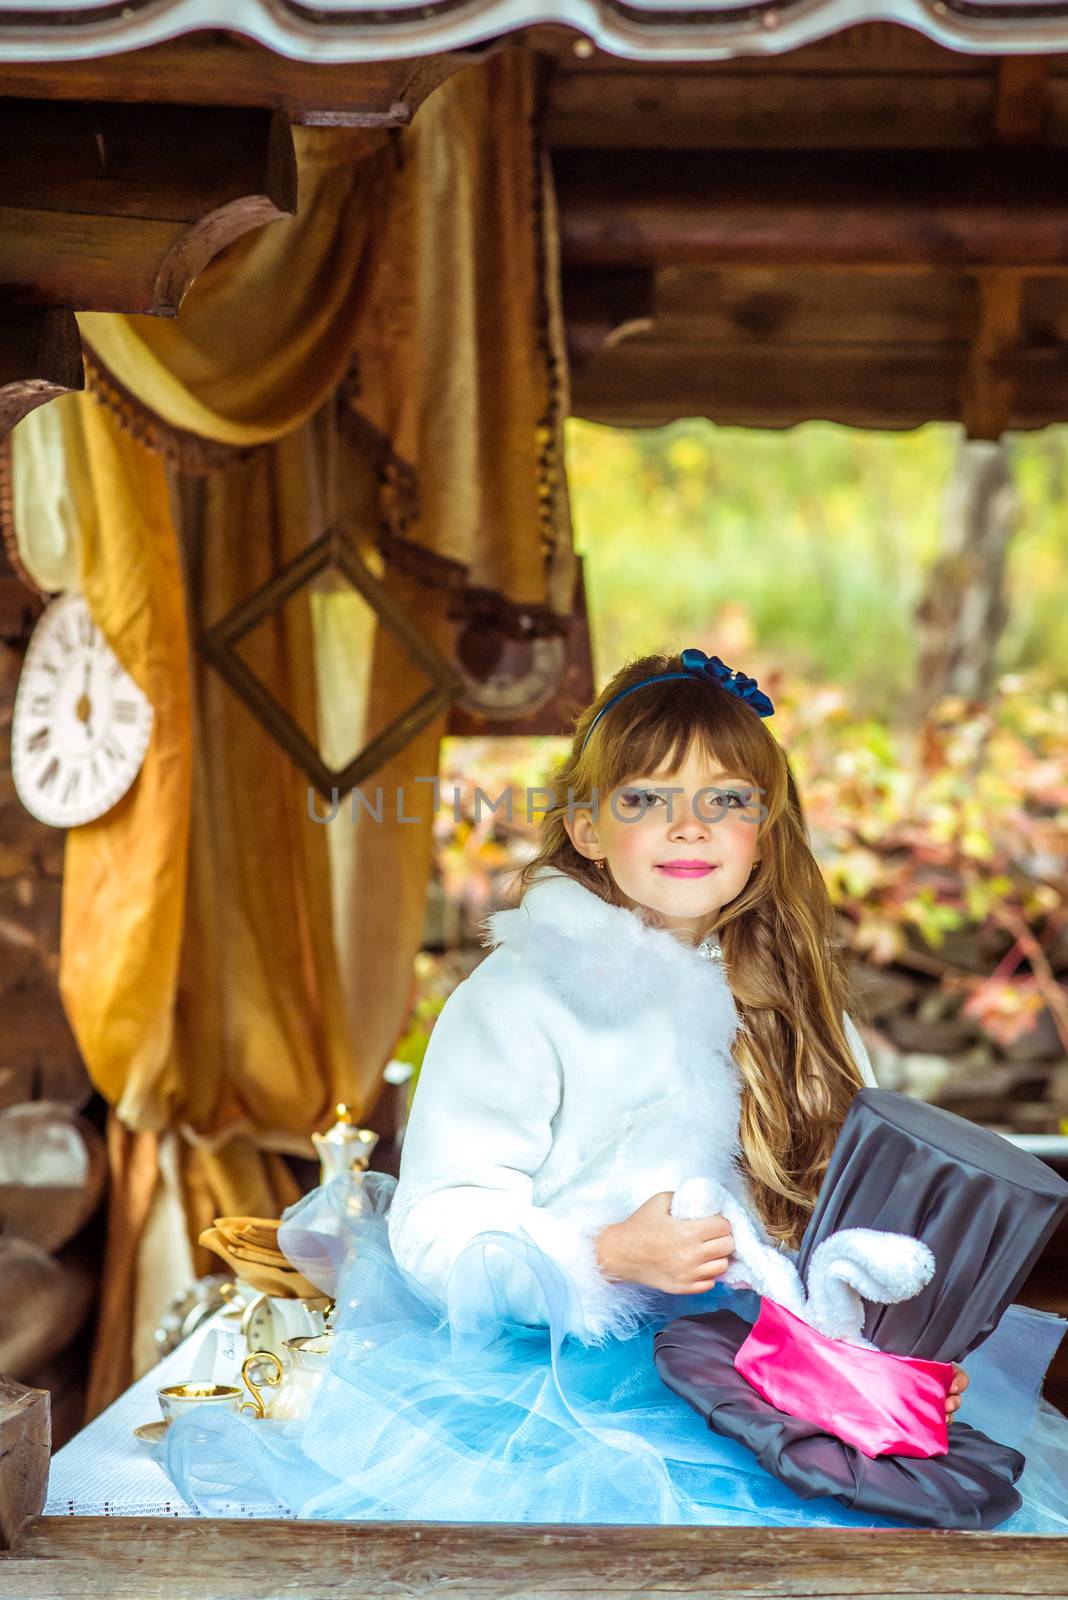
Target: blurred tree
[(964, 609)]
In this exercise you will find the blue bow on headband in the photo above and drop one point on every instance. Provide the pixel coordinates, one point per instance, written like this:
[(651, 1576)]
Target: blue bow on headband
[(747, 689), (696, 664)]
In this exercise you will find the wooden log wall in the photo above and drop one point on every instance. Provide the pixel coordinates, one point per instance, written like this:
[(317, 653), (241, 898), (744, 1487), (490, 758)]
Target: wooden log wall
[(52, 1162), (120, 178)]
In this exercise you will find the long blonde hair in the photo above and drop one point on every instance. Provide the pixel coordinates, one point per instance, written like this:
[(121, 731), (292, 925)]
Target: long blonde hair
[(785, 967)]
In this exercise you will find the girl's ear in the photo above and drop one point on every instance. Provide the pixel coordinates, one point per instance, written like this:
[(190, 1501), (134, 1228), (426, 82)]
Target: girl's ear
[(582, 832)]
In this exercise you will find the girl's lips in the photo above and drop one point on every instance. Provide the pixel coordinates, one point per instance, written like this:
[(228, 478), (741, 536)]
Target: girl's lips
[(674, 871)]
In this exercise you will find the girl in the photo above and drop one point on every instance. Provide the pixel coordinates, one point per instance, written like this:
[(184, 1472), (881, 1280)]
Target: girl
[(666, 1002), (585, 1069)]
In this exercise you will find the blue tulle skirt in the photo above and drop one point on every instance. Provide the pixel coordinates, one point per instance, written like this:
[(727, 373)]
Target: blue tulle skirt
[(459, 1414)]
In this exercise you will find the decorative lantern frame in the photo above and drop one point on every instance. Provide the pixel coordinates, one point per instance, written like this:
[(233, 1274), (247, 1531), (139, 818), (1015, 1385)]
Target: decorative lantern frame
[(333, 549)]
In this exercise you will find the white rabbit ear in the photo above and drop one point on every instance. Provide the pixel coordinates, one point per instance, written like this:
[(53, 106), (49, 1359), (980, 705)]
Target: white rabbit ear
[(882, 1267), (755, 1264)]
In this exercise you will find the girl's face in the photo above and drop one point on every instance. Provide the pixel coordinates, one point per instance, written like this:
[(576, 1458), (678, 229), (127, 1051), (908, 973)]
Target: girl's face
[(658, 830)]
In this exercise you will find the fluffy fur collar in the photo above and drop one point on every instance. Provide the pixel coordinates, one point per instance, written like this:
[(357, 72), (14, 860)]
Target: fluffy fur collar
[(605, 961), (607, 964)]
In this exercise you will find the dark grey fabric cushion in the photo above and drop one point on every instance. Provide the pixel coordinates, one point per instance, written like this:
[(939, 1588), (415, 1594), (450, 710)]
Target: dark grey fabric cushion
[(971, 1487)]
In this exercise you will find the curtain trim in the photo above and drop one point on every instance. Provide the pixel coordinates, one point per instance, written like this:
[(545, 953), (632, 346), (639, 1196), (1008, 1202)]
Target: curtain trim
[(191, 452), (396, 477), (551, 480), (8, 532), (400, 484)]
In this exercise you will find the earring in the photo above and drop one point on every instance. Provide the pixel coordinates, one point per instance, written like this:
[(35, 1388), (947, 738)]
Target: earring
[(600, 861)]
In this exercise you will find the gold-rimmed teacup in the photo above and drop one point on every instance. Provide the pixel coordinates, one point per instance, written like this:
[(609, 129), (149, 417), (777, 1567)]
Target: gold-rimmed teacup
[(174, 1398)]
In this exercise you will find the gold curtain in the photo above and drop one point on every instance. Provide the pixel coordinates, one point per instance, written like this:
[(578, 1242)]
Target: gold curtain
[(231, 968)]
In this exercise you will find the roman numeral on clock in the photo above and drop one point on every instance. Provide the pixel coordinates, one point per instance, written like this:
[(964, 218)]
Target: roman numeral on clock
[(49, 775), (125, 711), (37, 741)]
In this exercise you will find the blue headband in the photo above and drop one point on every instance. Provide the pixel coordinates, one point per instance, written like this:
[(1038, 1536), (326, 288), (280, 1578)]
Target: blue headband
[(696, 665)]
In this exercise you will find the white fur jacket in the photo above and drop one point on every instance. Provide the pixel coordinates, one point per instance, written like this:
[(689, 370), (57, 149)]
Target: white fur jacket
[(582, 1067)]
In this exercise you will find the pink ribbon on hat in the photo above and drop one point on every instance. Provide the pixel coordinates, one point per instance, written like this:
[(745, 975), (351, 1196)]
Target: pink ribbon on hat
[(884, 1404)]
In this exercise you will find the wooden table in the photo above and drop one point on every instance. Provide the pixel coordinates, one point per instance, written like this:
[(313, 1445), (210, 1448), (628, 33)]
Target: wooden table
[(192, 1559), (183, 1557)]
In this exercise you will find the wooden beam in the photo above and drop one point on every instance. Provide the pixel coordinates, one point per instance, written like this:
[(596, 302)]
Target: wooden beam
[(651, 380), (40, 358), (646, 383), (185, 1558), (865, 209), (117, 208), (25, 1445), (218, 69), (739, 305), (728, 107)]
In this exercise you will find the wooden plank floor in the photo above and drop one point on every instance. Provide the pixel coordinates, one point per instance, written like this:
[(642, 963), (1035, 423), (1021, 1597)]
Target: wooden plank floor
[(193, 1559)]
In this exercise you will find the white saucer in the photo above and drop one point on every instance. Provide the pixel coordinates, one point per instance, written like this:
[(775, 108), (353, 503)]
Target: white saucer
[(152, 1432)]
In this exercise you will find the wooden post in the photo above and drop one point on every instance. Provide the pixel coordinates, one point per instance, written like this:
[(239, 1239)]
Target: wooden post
[(25, 1451)]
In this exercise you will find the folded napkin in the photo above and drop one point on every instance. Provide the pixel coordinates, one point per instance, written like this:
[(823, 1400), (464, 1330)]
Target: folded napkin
[(249, 1247)]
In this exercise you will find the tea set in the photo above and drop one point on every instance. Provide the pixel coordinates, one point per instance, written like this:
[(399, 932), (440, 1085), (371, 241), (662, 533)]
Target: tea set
[(289, 1341)]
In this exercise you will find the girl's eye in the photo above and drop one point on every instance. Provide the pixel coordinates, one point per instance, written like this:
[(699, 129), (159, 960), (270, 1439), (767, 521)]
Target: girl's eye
[(639, 797), (645, 798), (724, 800)]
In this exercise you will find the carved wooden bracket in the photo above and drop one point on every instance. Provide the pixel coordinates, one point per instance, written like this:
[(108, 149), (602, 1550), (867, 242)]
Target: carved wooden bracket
[(117, 208), (40, 357)]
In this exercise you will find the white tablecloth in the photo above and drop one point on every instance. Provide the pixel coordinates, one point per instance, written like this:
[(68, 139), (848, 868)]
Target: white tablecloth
[(105, 1472)]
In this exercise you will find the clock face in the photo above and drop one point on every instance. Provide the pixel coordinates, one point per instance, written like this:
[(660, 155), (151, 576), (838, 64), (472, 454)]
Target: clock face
[(506, 678), (81, 725)]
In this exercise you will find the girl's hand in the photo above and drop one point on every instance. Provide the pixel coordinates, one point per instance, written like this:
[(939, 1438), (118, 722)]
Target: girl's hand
[(656, 1249), (956, 1389)]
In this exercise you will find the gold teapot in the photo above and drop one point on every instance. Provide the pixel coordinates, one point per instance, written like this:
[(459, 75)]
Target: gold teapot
[(293, 1380)]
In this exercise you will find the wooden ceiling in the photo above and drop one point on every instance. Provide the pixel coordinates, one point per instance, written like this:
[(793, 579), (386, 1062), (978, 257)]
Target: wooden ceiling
[(872, 228)]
